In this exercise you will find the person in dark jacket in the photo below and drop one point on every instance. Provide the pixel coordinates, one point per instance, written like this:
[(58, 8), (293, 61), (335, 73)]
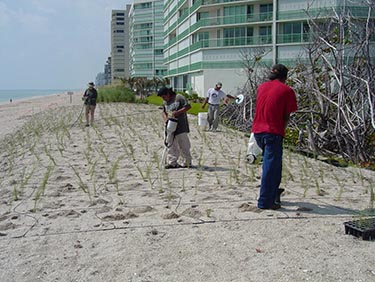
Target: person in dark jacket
[(89, 97), (175, 107)]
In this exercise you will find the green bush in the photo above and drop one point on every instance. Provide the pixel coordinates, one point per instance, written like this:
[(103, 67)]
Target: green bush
[(116, 94), (291, 137)]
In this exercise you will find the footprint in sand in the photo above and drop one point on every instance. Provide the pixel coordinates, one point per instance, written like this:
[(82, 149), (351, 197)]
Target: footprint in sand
[(193, 213), (7, 226), (143, 209), (120, 216), (68, 213), (245, 207), (171, 215)]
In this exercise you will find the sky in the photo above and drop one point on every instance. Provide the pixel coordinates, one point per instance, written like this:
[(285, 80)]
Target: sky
[(54, 44)]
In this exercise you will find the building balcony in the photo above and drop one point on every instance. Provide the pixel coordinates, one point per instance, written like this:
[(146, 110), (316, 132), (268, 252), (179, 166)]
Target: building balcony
[(229, 20), (293, 38), (222, 42), (199, 3), (324, 12), (232, 42)]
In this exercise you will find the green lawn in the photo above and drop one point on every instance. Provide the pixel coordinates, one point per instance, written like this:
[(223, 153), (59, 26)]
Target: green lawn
[(195, 107)]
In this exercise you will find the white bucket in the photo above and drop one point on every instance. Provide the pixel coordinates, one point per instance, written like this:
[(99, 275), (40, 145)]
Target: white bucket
[(171, 125), (171, 128), (202, 120), (253, 150)]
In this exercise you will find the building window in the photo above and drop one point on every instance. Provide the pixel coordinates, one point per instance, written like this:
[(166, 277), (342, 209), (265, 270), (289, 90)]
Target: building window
[(143, 26), (182, 11), (265, 34), (158, 52), (202, 37), (292, 28), (172, 36), (290, 32), (250, 36), (202, 15), (145, 66), (143, 39), (143, 46), (265, 12), (233, 14), (118, 31), (159, 72), (234, 36), (306, 32), (143, 6)]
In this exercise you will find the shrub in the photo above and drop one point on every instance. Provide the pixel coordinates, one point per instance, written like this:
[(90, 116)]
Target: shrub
[(116, 94)]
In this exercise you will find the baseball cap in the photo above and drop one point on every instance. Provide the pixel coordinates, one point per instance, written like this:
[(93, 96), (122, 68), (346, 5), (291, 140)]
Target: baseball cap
[(163, 91), (278, 71)]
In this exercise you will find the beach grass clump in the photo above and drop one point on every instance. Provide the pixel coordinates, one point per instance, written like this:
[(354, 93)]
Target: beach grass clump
[(115, 94)]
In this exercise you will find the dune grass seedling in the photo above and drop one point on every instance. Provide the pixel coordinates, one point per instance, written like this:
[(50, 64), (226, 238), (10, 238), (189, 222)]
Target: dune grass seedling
[(81, 183), (92, 176), (341, 187), (47, 151), (41, 190)]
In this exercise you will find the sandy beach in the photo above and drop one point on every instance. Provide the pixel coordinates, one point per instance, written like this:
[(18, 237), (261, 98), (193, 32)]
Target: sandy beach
[(95, 204)]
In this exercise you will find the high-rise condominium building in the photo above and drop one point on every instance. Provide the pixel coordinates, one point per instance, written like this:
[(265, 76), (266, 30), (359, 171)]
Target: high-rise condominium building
[(120, 44), (204, 39), (108, 71), (146, 39)]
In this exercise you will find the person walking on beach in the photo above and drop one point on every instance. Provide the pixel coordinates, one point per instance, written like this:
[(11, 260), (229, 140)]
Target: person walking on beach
[(213, 98), (275, 102), (175, 107), (89, 97)]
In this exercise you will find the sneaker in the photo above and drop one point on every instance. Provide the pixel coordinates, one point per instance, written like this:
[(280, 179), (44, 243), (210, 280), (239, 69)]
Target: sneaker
[(273, 207), (186, 166), (170, 166), (87, 125), (278, 196)]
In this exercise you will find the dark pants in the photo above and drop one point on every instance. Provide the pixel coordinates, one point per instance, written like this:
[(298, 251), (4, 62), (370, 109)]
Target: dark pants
[(272, 146)]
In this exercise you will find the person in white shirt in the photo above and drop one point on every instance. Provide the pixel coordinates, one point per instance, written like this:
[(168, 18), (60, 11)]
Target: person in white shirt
[(213, 98)]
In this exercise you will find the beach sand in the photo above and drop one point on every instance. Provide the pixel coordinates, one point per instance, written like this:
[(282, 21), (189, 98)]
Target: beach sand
[(94, 204)]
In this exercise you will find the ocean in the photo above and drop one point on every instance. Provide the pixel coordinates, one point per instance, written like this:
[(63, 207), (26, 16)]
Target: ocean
[(6, 95)]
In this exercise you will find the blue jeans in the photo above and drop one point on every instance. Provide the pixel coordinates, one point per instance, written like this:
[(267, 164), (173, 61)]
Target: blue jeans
[(272, 146)]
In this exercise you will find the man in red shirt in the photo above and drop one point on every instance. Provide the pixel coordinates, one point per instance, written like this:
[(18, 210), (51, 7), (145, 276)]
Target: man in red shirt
[(275, 102)]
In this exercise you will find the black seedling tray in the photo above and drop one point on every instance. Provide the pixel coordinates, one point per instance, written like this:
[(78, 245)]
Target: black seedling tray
[(364, 228)]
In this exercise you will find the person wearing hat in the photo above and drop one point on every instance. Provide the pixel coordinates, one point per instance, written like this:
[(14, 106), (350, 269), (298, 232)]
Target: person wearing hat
[(175, 107), (89, 97), (213, 98), (275, 102)]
